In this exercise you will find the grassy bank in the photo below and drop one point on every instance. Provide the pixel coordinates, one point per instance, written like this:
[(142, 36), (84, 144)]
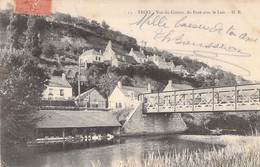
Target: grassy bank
[(236, 154), (239, 151)]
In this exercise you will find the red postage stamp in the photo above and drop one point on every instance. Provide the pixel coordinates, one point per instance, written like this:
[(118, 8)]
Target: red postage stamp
[(38, 7)]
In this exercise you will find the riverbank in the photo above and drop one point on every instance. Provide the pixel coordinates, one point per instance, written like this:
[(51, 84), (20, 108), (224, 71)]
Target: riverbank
[(219, 140), (238, 151)]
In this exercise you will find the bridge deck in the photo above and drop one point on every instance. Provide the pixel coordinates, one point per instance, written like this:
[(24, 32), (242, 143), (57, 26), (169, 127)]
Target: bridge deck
[(236, 98)]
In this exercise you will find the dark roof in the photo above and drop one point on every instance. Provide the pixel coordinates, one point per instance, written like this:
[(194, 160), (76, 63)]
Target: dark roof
[(87, 93), (127, 59), (57, 81), (130, 59), (76, 119), (139, 54)]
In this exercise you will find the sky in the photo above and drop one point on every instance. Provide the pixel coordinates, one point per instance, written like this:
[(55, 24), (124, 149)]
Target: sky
[(239, 33)]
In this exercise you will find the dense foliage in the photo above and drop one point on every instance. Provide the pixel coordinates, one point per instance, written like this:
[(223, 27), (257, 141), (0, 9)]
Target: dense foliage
[(32, 42), (22, 80), (21, 86)]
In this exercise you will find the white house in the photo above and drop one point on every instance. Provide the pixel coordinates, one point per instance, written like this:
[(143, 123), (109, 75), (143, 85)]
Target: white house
[(109, 54), (117, 59), (172, 87), (125, 96), (138, 56), (180, 69), (203, 72), (162, 63), (58, 89), (90, 56)]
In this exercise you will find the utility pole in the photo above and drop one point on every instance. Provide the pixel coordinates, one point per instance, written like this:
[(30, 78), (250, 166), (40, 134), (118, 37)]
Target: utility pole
[(79, 67)]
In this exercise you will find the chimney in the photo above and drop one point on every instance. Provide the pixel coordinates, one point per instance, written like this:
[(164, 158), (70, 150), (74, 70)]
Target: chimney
[(132, 49), (63, 76), (119, 84), (100, 52), (170, 83), (154, 57), (141, 51), (149, 88)]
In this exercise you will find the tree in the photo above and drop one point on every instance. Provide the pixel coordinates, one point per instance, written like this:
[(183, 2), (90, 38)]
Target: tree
[(21, 86), (83, 20), (105, 25), (95, 23), (228, 79), (62, 17), (32, 43), (13, 35), (48, 50)]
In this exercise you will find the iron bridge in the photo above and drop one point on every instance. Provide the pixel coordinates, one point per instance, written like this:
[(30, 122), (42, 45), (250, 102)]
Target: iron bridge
[(224, 99)]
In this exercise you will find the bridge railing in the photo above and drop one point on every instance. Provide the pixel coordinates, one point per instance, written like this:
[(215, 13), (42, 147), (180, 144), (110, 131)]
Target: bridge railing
[(232, 98)]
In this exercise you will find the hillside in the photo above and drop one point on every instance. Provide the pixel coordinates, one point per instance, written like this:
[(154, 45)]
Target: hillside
[(63, 38)]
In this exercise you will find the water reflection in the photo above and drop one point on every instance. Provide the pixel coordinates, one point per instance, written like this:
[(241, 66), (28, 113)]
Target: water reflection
[(108, 153)]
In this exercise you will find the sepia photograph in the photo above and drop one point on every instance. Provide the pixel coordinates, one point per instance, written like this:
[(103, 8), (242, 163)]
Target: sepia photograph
[(141, 83)]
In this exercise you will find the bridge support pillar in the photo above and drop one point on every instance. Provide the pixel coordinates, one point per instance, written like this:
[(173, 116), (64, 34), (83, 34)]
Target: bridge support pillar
[(139, 123)]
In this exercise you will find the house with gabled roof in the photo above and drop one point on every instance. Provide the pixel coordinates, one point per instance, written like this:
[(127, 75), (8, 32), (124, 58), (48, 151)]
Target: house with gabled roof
[(117, 59), (203, 72), (58, 88), (138, 56), (173, 87), (180, 69), (90, 56), (126, 96), (109, 54), (162, 63), (91, 99), (123, 60)]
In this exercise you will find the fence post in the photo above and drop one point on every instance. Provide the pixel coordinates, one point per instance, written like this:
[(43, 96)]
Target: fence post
[(175, 101), (213, 99), (192, 99), (158, 101), (235, 97)]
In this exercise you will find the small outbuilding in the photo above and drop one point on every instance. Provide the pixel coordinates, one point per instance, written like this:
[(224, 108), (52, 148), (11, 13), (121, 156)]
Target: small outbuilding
[(61, 124), (91, 99)]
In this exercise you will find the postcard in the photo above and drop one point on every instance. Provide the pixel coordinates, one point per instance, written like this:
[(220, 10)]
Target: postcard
[(129, 83)]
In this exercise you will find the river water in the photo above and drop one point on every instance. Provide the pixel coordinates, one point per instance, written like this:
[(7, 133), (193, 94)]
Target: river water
[(107, 153)]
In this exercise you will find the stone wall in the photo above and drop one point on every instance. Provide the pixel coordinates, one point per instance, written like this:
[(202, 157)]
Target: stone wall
[(139, 123)]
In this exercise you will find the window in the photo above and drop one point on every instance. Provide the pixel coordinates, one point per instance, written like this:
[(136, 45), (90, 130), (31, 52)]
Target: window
[(95, 103), (86, 64), (119, 105), (50, 92), (96, 58), (99, 58), (132, 95), (61, 92)]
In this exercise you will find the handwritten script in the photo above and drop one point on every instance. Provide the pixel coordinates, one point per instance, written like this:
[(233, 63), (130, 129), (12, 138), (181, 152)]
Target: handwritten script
[(167, 32)]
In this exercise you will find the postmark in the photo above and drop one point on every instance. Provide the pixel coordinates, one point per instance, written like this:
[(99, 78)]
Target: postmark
[(37, 7)]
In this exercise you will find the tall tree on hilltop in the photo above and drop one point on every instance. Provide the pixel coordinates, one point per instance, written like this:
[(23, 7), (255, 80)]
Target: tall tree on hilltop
[(12, 31), (32, 43), (105, 25)]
